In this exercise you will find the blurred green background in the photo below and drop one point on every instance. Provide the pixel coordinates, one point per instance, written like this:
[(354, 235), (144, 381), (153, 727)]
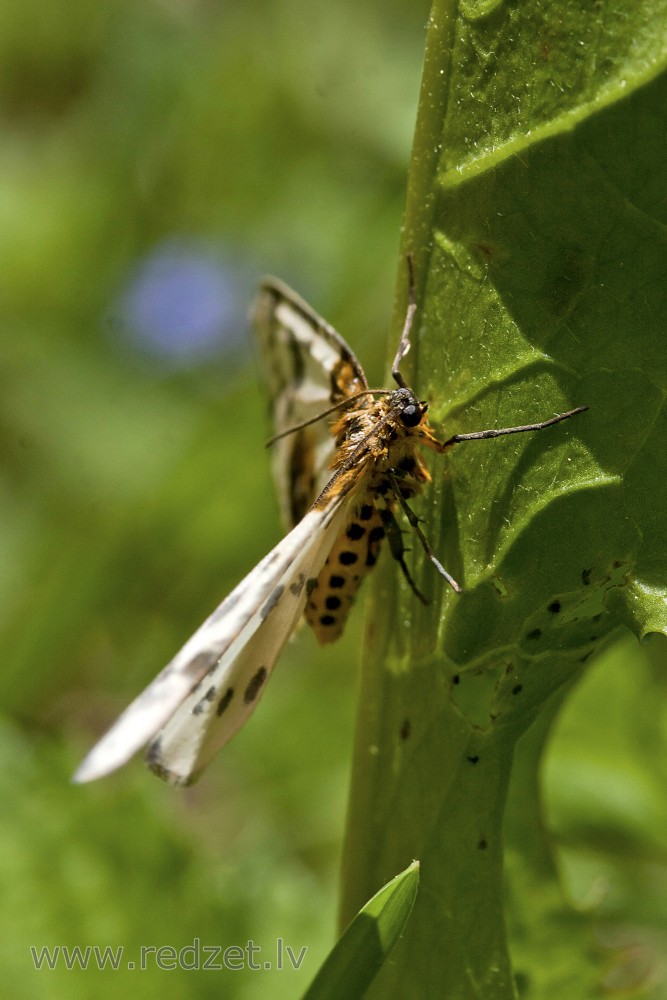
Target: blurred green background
[(157, 159)]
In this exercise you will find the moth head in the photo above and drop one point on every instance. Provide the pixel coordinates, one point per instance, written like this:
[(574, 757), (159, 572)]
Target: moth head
[(410, 409)]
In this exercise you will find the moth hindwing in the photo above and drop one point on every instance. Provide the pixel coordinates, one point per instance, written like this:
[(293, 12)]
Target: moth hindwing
[(347, 458), (308, 368)]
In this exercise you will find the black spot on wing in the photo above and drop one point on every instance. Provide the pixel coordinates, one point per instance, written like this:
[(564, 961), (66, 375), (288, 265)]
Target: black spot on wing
[(254, 686), (271, 602), (224, 701), (205, 701), (297, 585), (348, 558)]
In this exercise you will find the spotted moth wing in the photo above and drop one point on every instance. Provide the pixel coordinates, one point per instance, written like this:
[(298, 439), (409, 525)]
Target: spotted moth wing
[(228, 694), (187, 712), (308, 367)]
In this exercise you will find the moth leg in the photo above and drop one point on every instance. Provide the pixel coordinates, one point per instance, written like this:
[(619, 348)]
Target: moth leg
[(395, 538), (414, 523), (495, 432)]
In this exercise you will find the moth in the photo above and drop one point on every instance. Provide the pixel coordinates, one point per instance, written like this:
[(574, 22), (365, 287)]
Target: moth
[(347, 460)]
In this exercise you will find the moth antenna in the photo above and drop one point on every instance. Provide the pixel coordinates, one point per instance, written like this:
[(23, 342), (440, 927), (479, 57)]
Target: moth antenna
[(404, 342), (325, 413)]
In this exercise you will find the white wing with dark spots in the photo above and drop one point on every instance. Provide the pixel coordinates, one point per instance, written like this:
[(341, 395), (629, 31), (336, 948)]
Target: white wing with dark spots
[(206, 693)]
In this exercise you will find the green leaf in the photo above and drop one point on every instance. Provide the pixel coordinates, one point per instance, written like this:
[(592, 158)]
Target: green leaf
[(535, 219), (365, 945)]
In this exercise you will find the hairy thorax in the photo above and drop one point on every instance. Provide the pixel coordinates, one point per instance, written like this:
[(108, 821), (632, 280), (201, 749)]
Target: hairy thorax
[(377, 456)]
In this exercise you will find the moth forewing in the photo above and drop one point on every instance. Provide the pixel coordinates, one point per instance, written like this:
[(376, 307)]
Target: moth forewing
[(232, 624), (225, 698)]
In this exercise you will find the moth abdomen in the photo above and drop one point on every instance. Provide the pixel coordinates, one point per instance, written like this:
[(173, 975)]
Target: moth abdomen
[(352, 557)]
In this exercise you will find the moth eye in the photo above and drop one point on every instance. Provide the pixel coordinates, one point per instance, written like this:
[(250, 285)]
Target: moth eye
[(411, 415)]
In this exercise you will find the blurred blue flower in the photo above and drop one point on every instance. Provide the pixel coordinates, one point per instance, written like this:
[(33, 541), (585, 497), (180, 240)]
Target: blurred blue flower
[(184, 303)]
